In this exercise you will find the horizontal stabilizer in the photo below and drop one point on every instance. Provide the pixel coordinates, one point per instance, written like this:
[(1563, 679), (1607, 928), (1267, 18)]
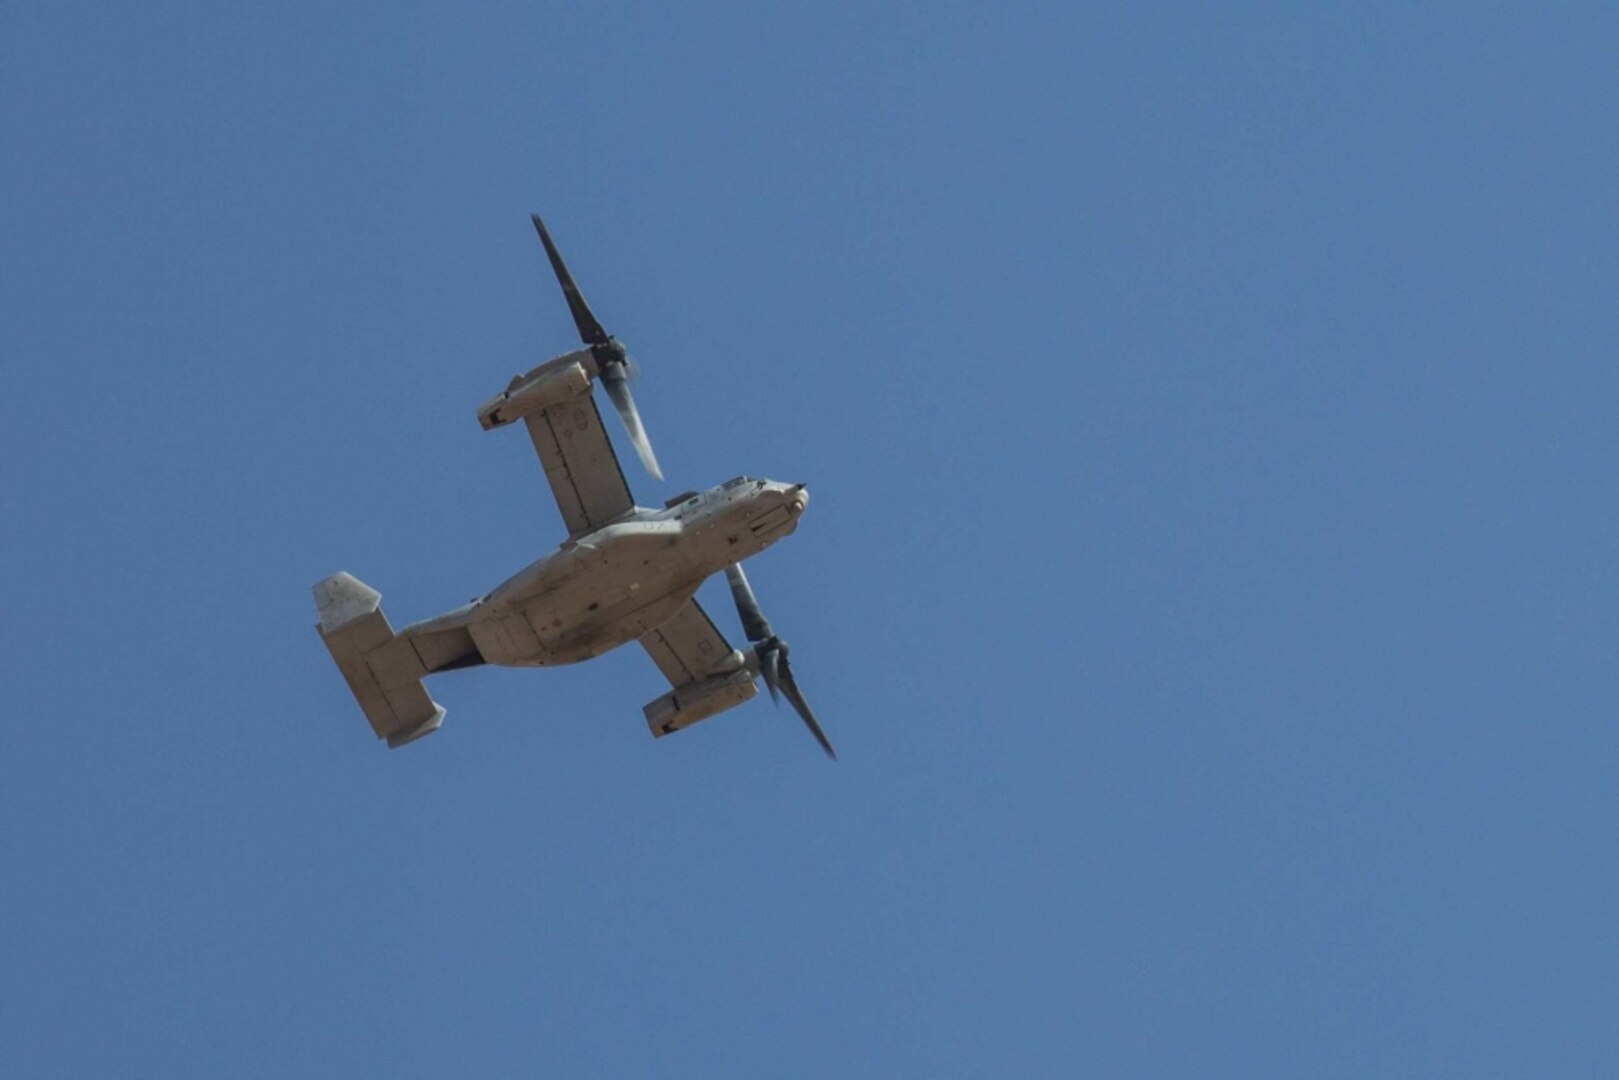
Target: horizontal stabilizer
[(384, 672)]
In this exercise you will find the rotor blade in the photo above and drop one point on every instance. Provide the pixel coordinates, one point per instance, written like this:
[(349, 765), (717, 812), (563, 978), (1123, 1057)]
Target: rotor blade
[(770, 668), (789, 686), (754, 623), (618, 388), (589, 329)]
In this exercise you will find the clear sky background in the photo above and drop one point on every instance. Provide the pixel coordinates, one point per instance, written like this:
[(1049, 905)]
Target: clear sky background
[(1210, 582)]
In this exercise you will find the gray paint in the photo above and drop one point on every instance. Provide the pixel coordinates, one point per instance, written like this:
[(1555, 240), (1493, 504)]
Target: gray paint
[(625, 573)]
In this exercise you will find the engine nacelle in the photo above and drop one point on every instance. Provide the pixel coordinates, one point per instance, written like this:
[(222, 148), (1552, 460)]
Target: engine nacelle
[(552, 383), (684, 707)]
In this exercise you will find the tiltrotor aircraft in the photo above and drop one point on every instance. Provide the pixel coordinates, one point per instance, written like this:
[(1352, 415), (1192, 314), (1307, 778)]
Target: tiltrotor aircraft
[(625, 573)]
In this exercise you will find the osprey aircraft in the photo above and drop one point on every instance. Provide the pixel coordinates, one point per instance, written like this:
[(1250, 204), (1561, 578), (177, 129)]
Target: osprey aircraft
[(625, 572)]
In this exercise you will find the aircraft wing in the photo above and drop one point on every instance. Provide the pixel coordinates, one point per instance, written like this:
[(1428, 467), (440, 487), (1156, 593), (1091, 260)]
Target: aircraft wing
[(688, 646), (556, 404), (580, 464), (699, 663)]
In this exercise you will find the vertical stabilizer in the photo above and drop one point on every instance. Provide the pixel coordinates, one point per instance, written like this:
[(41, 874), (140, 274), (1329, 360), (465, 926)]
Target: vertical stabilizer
[(383, 671)]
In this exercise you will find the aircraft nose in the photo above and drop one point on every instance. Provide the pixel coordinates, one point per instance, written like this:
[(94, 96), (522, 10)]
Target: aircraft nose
[(800, 494)]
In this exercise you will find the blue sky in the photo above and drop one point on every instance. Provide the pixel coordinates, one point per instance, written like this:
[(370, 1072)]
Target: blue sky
[(1210, 583)]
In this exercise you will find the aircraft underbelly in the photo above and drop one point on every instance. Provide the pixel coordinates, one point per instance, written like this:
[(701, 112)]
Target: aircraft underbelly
[(590, 598)]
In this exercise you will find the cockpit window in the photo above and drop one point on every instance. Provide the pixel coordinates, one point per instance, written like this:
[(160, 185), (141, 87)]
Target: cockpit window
[(683, 498), (738, 482)]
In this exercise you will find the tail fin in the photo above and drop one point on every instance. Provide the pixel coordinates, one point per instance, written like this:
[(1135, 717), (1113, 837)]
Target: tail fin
[(382, 670)]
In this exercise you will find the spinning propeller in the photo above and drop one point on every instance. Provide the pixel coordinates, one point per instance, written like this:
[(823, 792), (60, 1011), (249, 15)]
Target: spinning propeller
[(771, 653), (614, 365)]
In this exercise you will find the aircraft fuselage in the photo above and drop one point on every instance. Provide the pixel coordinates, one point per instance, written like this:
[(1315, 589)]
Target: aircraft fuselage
[(614, 584)]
